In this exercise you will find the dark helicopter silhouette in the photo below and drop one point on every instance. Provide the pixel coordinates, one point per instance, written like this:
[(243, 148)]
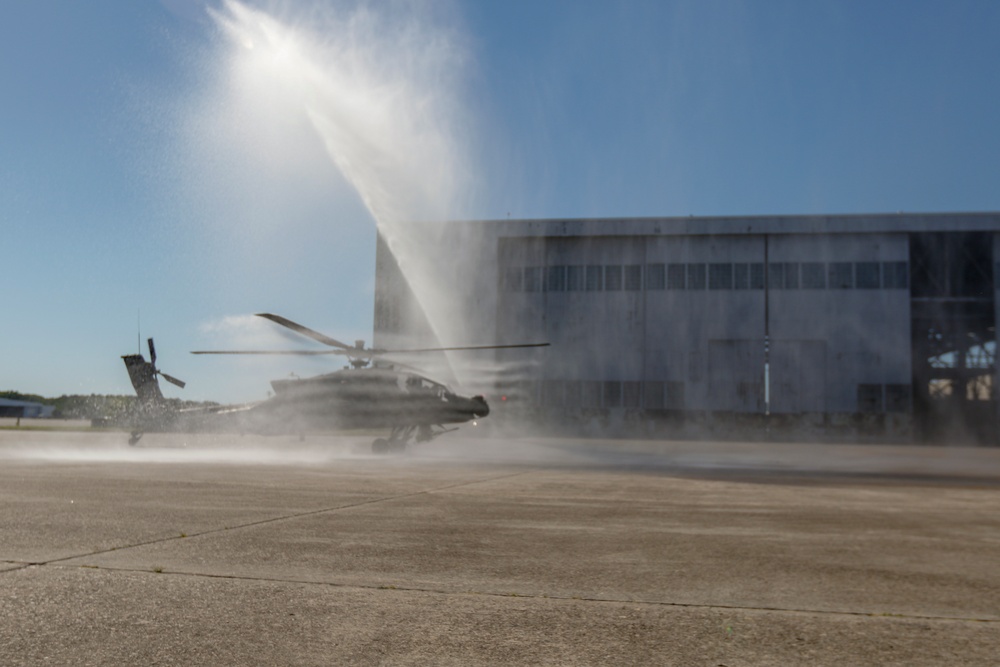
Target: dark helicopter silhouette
[(397, 397)]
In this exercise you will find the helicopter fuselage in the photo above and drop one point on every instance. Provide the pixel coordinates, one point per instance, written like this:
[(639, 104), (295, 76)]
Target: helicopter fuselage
[(369, 398), (365, 398)]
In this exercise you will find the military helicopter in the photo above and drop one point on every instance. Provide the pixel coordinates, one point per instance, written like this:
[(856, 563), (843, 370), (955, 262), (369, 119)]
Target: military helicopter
[(152, 411), (396, 397)]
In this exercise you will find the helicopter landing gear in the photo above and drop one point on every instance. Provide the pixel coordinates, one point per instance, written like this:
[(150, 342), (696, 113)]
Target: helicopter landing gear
[(396, 444), (382, 446), (401, 435)]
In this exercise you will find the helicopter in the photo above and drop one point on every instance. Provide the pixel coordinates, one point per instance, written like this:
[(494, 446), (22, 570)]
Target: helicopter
[(361, 396)]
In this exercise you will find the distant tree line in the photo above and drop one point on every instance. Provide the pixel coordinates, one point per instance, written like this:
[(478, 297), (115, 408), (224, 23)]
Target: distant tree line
[(94, 406)]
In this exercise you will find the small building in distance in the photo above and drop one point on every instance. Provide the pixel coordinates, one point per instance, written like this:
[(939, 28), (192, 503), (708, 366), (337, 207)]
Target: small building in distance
[(835, 326), (25, 409)]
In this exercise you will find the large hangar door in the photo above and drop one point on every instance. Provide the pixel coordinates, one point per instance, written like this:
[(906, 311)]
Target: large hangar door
[(798, 376), (736, 375), (953, 311)]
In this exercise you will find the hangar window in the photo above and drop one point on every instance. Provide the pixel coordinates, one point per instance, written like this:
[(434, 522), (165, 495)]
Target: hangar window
[(575, 278), (895, 275), (590, 394), (783, 275), (656, 276), (741, 276), (552, 393), (654, 395), (555, 279), (897, 398), (595, 278), (612, 394), (631, 394), (748, 276), (533, 279), (813, 275), (776, 276), (869, 398), (676, 276), (613, 278), (633, 277), (867, 275), (841, 275), (791, 275), (512, 279), (573, 394), (696, 276), (673, 399), (720, 276)]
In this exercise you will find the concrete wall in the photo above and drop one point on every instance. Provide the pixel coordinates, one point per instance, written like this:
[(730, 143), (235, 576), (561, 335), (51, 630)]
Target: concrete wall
[(839, 338), (699, 323), (689, 336)]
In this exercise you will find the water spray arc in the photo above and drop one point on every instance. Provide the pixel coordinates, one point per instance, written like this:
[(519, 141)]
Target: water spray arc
[(381, 92)]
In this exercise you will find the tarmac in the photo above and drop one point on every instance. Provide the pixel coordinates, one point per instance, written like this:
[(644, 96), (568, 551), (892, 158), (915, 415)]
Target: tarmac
[(227, 550)]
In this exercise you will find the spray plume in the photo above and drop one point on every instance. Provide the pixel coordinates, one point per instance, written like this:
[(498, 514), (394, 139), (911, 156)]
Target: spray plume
[(379, 86)]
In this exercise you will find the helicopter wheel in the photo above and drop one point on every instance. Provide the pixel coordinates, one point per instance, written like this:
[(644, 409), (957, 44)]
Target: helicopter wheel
[(380, 446)]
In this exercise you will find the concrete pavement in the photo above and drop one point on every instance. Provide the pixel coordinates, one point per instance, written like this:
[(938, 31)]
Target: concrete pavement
[(235, 551)]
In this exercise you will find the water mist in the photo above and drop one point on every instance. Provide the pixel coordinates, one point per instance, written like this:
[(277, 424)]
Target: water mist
[(380, 85)]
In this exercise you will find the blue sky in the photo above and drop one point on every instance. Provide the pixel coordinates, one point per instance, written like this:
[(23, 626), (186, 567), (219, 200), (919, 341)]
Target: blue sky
[(123, 198)]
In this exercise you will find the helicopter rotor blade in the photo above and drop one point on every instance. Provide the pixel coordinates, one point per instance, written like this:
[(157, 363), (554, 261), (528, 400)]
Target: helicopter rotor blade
[(152, 352), (304, 353), (172, 380), (305, 331), (354, 352), (468, 347)]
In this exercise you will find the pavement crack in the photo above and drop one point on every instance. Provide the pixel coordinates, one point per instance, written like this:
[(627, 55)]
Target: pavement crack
[(15, 565), (906, 616), (284, 517)]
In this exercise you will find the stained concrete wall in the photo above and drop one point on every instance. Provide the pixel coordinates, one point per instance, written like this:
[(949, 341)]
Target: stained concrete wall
[(839, 348)]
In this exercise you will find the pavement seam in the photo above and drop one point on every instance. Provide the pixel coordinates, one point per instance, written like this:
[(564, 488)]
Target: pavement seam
[(15, 565), (251, 524), (558, 598)]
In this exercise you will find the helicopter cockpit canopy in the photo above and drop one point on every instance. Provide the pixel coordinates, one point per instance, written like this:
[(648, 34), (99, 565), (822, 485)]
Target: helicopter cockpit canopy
[(419, 384)]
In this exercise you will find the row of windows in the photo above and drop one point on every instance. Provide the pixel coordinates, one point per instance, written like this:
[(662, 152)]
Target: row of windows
[(883, 398), (658, 395), (652, 395), (713, 276)]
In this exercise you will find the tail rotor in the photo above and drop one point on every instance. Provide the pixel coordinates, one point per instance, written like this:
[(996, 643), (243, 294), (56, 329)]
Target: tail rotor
[(156, 372)]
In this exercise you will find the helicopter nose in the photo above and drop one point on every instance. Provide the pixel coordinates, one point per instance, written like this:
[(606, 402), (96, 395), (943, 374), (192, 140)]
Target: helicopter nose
[(482, 409)]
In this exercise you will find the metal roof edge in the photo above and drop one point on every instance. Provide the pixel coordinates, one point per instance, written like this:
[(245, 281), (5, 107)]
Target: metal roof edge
[(851, 223)]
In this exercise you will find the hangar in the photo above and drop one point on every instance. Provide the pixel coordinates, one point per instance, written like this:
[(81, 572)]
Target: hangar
[(12, 408), (843, 326)]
